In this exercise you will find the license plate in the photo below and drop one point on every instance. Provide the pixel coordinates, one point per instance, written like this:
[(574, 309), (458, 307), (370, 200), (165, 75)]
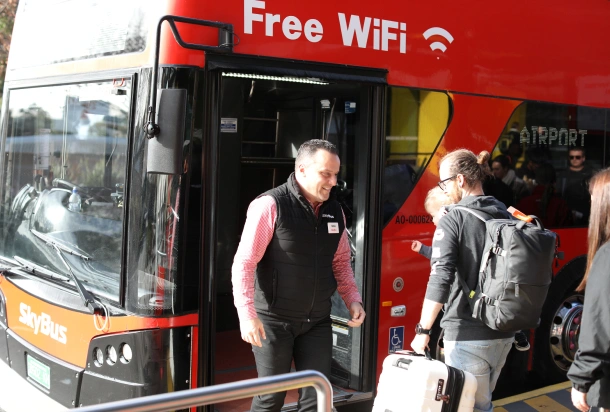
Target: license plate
[(38, 372)]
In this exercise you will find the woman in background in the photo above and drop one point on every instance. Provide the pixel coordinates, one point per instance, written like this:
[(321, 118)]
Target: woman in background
[(590, 372)]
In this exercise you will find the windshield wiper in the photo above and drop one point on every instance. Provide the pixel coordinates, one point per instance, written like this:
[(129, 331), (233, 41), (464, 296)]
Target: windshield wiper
[(35, 269), (58, 245), (86, 296), (7, 264)]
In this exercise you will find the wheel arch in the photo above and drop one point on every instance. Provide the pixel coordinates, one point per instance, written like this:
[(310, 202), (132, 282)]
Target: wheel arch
[(561, 293)]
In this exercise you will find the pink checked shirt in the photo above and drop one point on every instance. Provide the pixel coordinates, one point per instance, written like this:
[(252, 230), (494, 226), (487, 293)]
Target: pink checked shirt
[(258, 231)]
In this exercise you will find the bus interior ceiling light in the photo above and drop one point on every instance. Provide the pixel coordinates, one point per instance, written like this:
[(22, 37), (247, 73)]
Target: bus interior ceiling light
[(310, 80)]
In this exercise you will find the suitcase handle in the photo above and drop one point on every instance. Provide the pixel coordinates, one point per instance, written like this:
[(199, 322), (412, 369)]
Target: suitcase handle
[(402, 363), (411, 353)]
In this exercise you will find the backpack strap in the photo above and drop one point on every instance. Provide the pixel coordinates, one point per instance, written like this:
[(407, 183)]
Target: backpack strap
[(470, 294), (472, 212), (473, 299), (495, 250)]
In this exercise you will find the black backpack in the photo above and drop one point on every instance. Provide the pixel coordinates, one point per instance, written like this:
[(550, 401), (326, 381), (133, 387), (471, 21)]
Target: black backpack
[(515, 273)]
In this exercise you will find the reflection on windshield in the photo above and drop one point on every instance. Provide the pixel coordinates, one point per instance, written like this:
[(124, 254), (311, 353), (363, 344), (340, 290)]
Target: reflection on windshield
[(416, 121), (91, 28), (61, 141)]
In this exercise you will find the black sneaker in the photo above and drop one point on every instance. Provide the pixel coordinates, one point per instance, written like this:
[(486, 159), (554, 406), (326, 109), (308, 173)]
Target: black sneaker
[(521, 342)]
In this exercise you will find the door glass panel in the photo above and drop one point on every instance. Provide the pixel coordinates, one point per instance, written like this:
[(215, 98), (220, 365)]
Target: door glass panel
[(263, 124)]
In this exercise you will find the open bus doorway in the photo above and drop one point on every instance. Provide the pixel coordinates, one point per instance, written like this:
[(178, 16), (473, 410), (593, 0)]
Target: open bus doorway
[(263, 121)]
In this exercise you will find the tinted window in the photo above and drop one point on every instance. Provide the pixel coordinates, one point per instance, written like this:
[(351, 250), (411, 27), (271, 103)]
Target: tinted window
[(547, 156), (416, 121)]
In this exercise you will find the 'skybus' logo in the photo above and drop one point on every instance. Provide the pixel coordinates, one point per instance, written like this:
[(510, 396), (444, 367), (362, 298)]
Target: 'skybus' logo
[(438, 31), (42, 323)]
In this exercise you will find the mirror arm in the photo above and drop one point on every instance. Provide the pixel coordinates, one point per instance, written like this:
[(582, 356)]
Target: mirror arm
[(225, 44)]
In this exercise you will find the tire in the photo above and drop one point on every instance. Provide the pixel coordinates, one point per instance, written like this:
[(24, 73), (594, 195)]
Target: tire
[(557, 336)]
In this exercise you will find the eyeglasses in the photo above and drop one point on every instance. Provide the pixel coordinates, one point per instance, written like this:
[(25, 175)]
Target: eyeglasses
[(575, 157), (442, 183)]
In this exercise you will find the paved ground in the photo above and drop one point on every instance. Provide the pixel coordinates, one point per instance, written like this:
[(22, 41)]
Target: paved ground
[(19, 396), (554, 398)]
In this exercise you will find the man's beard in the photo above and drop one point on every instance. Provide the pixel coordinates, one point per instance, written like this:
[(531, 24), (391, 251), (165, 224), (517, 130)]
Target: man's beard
[(455, 194)]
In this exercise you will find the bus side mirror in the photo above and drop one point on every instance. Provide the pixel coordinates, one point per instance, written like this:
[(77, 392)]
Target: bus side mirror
[(165, 151)]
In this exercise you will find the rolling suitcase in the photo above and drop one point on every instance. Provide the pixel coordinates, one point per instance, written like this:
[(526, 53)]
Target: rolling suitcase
[(416, 383)]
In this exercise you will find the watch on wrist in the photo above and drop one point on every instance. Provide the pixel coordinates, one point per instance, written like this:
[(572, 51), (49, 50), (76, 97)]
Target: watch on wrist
[(419, 330)]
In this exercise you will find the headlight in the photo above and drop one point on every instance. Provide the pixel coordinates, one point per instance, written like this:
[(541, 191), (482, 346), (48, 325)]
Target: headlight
[(125, 353), (111, 355), (98, 355)]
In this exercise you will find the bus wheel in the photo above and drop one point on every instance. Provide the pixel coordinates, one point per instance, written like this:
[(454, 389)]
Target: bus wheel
[(557, 336)]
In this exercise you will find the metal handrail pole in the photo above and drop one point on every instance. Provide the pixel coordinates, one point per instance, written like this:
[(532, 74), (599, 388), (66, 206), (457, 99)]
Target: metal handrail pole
[(223, 393)]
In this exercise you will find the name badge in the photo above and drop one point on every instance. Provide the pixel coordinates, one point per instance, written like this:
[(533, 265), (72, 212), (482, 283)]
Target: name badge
[(333, 227)]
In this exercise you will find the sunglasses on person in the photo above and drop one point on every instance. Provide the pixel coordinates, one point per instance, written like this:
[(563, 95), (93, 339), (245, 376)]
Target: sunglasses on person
[(575, 157), (443, 185)]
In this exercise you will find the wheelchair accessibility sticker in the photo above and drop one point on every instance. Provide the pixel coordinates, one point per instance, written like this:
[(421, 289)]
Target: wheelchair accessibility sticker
[(397, 337)]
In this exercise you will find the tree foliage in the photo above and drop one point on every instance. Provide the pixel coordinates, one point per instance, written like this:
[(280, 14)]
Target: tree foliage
[(8, 8)]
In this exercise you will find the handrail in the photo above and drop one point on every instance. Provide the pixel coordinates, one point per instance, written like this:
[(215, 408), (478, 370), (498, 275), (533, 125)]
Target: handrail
[(223, 393)]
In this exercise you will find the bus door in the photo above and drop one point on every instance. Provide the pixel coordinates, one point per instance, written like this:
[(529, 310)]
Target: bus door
[(258, 122)]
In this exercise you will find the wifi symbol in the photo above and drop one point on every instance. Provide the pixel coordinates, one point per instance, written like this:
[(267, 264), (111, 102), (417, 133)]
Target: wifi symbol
[(438, 31)]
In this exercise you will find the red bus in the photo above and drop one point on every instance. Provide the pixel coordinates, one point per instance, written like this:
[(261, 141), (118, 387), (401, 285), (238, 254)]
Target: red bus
[(167, 118)]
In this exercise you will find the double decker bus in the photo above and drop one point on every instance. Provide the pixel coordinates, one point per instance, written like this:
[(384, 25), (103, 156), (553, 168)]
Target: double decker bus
[(168, 117)]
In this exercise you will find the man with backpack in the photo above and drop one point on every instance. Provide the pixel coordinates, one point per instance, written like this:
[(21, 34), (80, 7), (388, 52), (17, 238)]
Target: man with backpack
[(457, 251)]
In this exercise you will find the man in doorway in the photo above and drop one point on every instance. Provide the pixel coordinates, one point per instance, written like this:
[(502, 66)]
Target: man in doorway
[(457, 248), (295, 245), (573, 185)]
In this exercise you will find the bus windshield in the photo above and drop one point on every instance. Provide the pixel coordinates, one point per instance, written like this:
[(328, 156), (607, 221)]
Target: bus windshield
[(63, 178), (87, 29)]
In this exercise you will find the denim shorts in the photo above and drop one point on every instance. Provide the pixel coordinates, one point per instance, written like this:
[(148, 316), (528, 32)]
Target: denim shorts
[(484, 359)]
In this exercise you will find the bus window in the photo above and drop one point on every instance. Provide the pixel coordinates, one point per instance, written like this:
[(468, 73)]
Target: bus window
[(416, 121), (60, 139), (546, 157)]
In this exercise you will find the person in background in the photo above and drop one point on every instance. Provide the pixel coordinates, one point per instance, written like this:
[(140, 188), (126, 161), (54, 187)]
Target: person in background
[(501, 169), (515, 149), (590, 371), (552, 210), (434, 202), (534, 157), (469, 344), (295, 244), (573, 185)]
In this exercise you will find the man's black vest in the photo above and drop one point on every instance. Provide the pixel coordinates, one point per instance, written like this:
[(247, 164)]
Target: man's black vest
[(295, 279)]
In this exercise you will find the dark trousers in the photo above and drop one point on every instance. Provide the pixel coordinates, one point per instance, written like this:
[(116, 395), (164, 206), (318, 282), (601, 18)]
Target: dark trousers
[(308, 343)]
